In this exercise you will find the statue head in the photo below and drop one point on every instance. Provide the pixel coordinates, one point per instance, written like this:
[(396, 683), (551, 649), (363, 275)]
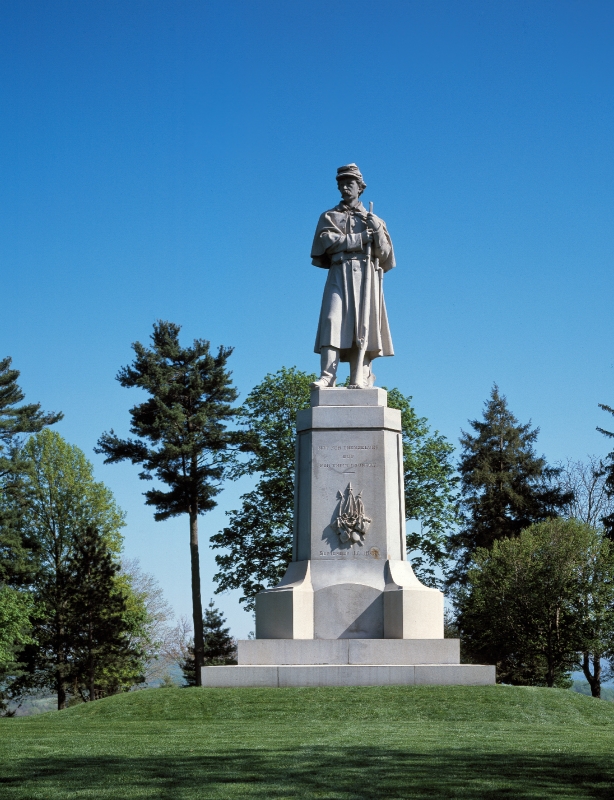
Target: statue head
[(350, 182)]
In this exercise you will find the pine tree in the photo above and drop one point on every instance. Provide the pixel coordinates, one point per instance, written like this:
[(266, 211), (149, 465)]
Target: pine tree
[(608, 520), (220, 647), (103, 657), (505, 486), (182, 433), (16, 422)]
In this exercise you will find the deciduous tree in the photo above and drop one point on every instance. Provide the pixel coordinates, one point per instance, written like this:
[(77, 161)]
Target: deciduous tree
[(61, 500), (258, 539), (585, 483), (532, 603)]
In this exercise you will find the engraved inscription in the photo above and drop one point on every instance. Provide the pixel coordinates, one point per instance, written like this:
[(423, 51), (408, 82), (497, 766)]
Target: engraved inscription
[(340, 451), (372, 552)]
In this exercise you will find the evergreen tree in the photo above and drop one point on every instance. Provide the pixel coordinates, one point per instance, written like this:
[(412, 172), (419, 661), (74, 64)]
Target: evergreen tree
[(258, 540), (608, 520), (182, 437), (17, 420), (220, 647), (103, 657), (505, 486)]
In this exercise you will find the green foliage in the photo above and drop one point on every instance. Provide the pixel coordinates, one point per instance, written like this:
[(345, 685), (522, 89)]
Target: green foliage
[(608, 521), (532, 603), (100, 629), (182, 427), (258, 539), (430, 489), (505, 486), (16, 423), (60, 503), (220, 647), (182, 433), (15, 419), (15, 610), (62, 498)]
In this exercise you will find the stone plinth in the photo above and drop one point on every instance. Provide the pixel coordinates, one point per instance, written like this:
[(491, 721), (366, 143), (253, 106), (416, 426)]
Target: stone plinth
[(348, 651), (349, 611), (350, 675), (343, 584)]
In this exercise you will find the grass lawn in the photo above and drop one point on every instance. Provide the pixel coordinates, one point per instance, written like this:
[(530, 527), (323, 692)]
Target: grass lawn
[(377, 742)]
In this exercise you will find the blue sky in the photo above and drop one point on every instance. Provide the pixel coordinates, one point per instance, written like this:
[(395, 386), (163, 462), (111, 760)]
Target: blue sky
[(170, 159)]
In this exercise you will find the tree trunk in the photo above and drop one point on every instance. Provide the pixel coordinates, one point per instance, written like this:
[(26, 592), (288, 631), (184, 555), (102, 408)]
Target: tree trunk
[(91, 669), (60, 668), (197, 608), (61, 689), (594, 678), (550, 671)]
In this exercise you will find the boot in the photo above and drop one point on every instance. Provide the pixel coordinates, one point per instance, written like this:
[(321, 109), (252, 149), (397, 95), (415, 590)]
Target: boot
[(367, 379), (329, 361)]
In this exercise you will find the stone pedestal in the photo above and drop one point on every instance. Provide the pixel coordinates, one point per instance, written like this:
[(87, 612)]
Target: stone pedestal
[(349, 610), (347, 583)]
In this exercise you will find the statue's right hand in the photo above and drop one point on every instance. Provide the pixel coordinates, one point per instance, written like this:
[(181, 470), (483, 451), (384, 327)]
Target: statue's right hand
[(367, 236)]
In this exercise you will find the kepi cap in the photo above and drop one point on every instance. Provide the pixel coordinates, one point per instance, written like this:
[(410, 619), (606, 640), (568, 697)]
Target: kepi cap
[(351, 171)]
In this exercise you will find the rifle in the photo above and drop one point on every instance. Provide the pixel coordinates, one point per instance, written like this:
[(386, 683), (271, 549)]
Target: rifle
[(365, 309)]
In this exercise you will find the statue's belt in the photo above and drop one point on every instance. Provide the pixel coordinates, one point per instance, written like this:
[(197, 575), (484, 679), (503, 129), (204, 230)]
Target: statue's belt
[(339, 258)]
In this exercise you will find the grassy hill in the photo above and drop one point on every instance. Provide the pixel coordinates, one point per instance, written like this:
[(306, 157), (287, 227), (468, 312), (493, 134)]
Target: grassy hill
[(377, 742)]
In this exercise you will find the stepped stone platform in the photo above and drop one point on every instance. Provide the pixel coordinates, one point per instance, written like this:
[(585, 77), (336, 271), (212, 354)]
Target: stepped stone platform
[(348, 662)]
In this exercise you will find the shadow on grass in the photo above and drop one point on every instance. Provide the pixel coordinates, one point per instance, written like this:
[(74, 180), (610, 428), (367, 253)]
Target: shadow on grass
[(307, 772)]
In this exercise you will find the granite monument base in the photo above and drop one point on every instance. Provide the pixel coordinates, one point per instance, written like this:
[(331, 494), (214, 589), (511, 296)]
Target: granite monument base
[(348, 662), (349, 611)]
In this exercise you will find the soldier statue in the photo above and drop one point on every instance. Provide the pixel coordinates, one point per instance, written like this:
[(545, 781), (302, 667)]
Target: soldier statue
[(355, 247)]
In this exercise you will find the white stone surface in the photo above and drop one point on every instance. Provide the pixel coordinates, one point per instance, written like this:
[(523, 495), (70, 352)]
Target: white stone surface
[(350, 675), (346, 675), (404, 651), (340, 417), (235, 676), (349, 580), (348, 651), (328, 462), (286, 611), (454, 675), (341, 396), (411, 610)]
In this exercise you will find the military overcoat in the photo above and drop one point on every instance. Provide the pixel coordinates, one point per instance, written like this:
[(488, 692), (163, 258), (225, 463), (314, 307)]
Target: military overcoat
[(338, 247)]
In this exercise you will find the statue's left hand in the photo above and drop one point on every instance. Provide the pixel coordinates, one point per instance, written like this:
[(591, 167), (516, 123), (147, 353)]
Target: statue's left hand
[(372, 222)]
